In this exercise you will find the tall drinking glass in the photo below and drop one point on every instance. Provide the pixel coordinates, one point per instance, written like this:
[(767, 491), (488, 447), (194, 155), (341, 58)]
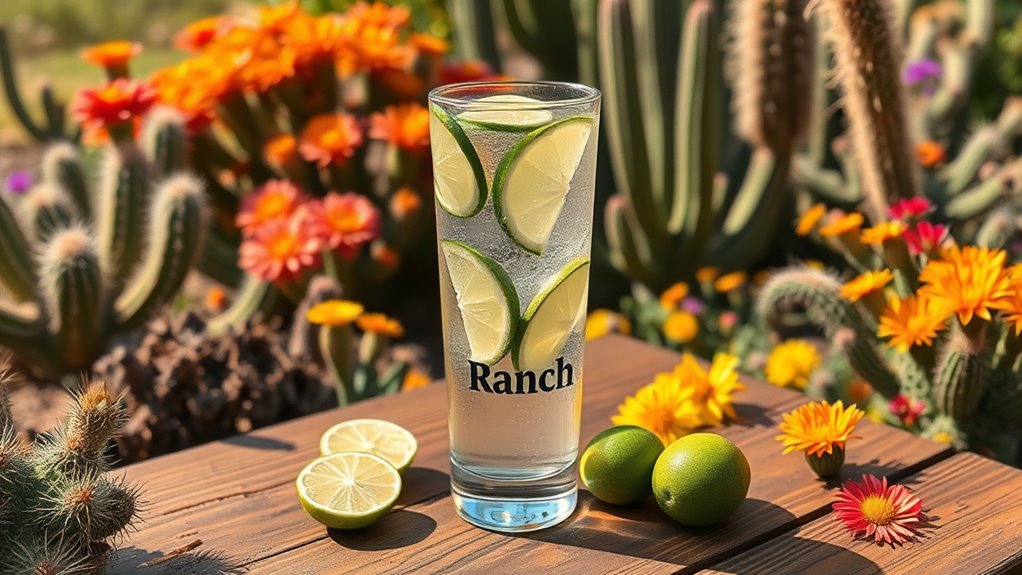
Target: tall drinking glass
[(514, 168)]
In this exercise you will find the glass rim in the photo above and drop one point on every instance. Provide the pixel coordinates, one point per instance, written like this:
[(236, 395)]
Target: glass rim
[(587, 95)]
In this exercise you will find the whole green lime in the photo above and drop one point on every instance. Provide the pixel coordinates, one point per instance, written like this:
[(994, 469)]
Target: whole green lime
[(617, 465), (701, 479)]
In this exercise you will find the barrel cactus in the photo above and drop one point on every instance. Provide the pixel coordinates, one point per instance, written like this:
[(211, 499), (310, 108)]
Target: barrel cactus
[(60, 507), (81, 267)]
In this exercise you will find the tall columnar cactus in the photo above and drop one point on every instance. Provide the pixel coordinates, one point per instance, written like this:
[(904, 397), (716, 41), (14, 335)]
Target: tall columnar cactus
[(53, 126), (59, 507), (77, 286)]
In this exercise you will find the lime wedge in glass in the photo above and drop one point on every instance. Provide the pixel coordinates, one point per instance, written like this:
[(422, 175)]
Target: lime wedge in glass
[(485, 114), (487, 300), (533, 178), (388, 440), (458, 179), (348, 490), (551, 316)]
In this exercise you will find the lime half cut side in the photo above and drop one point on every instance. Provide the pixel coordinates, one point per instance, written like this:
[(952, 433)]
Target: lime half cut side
[(533, 179), (487, 113), (551, 317), (348, 490), (390, 441), (487, 300), (459, 182)]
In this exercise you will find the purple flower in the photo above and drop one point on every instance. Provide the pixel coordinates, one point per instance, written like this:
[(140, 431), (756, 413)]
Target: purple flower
[(922, 74), (18, 182), (693, 305)]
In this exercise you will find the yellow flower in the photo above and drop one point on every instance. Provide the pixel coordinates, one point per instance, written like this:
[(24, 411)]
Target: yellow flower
[(815, 265), (673, 295), (603, 321), (681, 327), (910, 321), (713, 389), (335, 312), (846, 224), (807, 223), (866, 284), (730, 282), (381, 324), (662, 407), (818, 427), (965, 281), (414, 379), (883, 232), (1011, 304), (944, 437), (791, 363), (707, 274)]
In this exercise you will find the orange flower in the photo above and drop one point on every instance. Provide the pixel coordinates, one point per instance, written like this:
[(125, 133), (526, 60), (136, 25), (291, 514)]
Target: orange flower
[(428, 44), (883, 232), (465, 71), (346, 221), (198, 34), (930, 153), (844, 224), (381, 324), (251, 59), (276, 19), (379, 14), (728, 283), (280, 150), (334, 312), (371, 39), (707, 274), (910, 321), (807, 223), (414, 379), (275, 200), (672, 296), (965, 281), (193, 87), (330, 139), (405, 126), (866, 284), (384, 255), (1011, 304), (280, 250), (313, 38), (120, 101), (404, 202), (112, 55), (818, 428), (216, 299)]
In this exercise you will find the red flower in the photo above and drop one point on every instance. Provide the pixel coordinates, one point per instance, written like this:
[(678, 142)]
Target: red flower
[(120, 101), (925, 238), (466, 71), (907, 409), (281, 250), (275, 200), (873, 509), (345, 222), (910, 208)]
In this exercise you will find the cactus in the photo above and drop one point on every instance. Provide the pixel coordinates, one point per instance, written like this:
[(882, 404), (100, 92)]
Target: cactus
[(86, 284), (961, 374), (53, 126), (59, 506)]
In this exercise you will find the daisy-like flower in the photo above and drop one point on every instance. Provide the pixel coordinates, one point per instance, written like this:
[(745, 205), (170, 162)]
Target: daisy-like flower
[(414, 379), (334, 312), (887, 514), (346, 221), (314, 39), (866, 284), (601, 322), (791, 363), (807, 223), (680, 327), (280, 150), (113, 56), (1011, 304), (930, 153), (821, 430), (379, 323), (728, 283), (907, 409), (428, 44), (119, 102), (674, 295), (910, 321), (198, 34), (405, 126), (965, 281), (275, 200), (404, 203), (883, 232), (662, 407), (925, 238), (330, 139), (844, 224), (280, 250), (713, 390), (465, 71), (909, 208)]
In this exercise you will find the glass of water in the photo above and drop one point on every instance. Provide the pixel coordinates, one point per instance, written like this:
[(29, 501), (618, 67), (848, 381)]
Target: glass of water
[(514, 165)]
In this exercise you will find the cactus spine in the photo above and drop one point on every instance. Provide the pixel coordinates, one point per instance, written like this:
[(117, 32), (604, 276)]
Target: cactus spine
[(122, 208), (73, 292), (958, 384), (48, 210), (62, 166)]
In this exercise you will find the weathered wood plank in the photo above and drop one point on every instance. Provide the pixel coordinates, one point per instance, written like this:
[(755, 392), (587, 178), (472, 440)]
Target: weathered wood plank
[(976, 513)]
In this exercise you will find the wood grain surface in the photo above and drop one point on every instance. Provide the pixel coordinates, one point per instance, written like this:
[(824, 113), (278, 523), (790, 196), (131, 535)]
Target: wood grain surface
[(237, 496)]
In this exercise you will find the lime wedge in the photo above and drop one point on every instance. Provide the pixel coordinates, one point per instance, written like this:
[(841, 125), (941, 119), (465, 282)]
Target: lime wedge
[(458, 178), (381, 438), (486, 298), (550, 318), (348, 490), (482, 113), (533, 178)]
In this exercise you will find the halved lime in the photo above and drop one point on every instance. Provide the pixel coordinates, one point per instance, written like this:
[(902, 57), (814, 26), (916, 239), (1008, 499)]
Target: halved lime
[(553, 314), (458, 178), (388, 440), (487, 300), (348, 490), (484, 114), (533, 178)]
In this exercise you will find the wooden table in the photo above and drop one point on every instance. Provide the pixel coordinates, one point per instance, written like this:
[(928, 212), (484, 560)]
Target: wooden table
[(237, 496)]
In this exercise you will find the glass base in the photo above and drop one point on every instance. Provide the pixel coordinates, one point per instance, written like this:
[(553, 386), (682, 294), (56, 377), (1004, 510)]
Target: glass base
[(516, 506)]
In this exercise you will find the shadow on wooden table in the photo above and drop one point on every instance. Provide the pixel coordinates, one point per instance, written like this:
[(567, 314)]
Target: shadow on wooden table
[(259, 442), (827, 559), (399, 528), (206, 562)]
